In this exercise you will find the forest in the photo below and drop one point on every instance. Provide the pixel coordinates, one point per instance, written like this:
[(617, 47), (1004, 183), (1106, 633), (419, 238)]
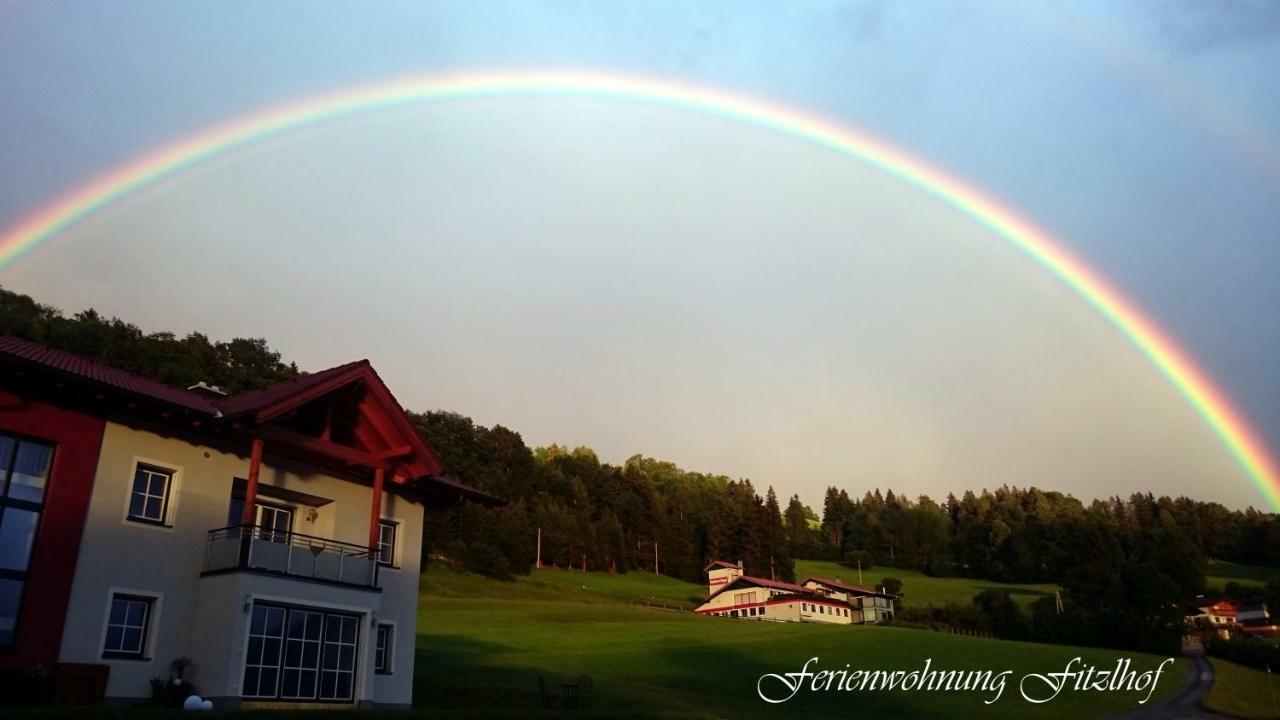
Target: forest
[(1125, 565)]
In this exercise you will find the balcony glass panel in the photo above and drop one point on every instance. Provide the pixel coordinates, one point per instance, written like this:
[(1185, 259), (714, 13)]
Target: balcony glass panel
[(270, 550)]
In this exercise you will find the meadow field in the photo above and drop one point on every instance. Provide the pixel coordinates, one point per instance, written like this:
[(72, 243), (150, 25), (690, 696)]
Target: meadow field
[(1243, 692), (483, 645), (919, 589), (1220, 573)]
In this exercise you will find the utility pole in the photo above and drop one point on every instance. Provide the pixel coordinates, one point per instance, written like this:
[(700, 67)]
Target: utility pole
[(538, 562), (1271, 687), (655, 557), (772, 574), (859, 571)]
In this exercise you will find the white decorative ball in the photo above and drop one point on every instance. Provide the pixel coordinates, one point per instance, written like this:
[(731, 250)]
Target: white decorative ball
[(206, 705), (193, 702)]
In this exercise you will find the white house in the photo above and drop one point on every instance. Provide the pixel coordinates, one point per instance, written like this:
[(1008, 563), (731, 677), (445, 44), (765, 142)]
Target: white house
[(273, 537), (734, 594), (871, 606)]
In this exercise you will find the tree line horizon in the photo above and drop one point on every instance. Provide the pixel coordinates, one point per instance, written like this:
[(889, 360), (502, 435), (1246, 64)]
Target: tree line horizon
[(1125, 565)]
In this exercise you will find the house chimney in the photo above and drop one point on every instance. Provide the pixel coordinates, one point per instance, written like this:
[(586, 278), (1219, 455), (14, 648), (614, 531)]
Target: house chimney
[(739, 564), (207, 390)]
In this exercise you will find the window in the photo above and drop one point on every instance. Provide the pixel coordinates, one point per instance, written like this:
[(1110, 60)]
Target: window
[(276, 522), (149, 501), (24, 473), (300, 654), (127, 623), (262, 655), (386, 543), (383, 649)]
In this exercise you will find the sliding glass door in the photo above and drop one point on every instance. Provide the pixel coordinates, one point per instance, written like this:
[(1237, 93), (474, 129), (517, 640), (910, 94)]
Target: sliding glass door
[(297, 653)]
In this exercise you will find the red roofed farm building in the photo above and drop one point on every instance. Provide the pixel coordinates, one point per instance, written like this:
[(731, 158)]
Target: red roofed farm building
[(735, 594)]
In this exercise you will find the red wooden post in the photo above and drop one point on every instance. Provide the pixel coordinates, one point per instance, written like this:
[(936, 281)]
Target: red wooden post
[(251, 489), (375, 512)]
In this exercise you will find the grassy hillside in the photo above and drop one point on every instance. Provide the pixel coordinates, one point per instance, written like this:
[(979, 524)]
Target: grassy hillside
[(483, 645), (1220, 573), (1243, 692), (919, 589)]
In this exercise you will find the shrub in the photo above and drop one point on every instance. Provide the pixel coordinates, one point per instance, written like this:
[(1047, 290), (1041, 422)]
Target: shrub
[(853, 557), (1257, 654), (485, 559)]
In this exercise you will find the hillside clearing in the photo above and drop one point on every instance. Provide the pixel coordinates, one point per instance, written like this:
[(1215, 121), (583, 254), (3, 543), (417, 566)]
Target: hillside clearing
[(484, 644)]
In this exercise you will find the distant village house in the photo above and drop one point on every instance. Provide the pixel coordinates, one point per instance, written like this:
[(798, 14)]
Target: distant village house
[(1228, 618), (732, 593)]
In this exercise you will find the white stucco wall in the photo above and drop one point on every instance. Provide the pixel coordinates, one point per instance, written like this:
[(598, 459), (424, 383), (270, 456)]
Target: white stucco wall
[(191, 613)]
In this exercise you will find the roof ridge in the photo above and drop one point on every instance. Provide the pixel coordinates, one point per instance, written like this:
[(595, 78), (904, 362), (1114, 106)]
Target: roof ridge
[(103, 373), (247, 400)]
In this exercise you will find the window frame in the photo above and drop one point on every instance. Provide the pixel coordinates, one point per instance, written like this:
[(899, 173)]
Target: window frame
[(388, 665), (169, 500), (7, 467), (261, 509), (151, 603), (326, 613), (394, 526)]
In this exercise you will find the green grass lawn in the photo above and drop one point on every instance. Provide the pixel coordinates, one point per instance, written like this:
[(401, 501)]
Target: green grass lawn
[(569, 585), (483, 645), (919, 589), (1243, 692), (1220, 573)]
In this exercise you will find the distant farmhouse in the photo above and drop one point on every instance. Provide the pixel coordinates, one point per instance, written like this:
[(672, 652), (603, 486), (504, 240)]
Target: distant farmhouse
[(1226, 617), (732, 593)]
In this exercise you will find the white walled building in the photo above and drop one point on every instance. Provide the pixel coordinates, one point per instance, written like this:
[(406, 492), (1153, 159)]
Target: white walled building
[(273, 537), (822, 600)]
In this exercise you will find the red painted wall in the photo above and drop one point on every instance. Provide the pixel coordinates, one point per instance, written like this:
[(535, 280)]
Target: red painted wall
[(53, 560)]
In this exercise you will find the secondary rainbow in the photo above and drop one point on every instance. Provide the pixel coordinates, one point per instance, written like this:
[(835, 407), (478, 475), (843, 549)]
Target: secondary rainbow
[(1191, 382)]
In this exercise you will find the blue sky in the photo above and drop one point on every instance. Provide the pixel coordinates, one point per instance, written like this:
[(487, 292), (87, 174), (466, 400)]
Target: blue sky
[(645, 281)]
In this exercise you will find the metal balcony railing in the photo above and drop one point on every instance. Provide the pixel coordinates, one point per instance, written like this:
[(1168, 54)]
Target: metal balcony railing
[(251, 547)]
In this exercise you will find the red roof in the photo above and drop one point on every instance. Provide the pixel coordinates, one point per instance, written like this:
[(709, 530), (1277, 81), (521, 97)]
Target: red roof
[(720, 564), (759, 582), (102, 375), (252, 401), (765, 582), (262, 404), (839, 585), (1221, 608)]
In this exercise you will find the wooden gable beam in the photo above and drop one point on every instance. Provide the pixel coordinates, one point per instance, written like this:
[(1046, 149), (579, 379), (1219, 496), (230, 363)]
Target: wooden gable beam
[(349, 455), (378, 392), (395, 452), (355, 374)]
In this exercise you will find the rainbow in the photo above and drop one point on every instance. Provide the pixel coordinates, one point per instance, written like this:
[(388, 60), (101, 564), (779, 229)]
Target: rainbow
[(1192, 383)]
